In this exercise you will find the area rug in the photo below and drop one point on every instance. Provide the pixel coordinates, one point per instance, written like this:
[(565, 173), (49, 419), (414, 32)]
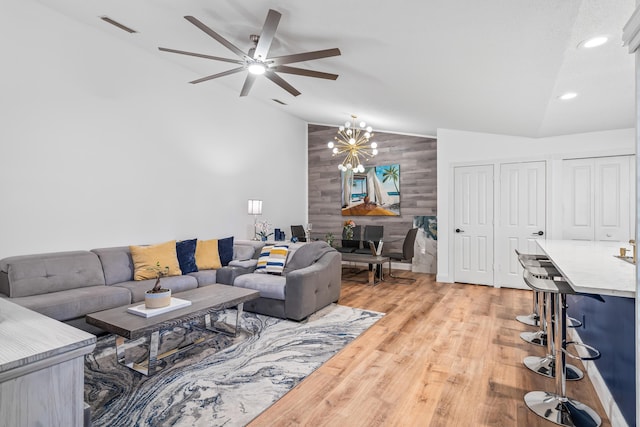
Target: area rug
[(223, 382)]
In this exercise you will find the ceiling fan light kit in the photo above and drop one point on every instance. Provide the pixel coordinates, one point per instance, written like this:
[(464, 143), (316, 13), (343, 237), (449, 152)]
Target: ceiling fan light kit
[(257, 60)]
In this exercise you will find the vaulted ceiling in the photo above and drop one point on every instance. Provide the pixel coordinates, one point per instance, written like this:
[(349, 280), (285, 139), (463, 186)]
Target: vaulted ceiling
[(409, 66)]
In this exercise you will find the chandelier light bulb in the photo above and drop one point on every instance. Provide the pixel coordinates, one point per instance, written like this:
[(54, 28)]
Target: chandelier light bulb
[(341, 128), (367, 135), (374, 151), (349, 165), (349, 132), (352, 141), (347, 125), (335, 150), (330, 144), (374, 145), (362, 124), (361, 168)]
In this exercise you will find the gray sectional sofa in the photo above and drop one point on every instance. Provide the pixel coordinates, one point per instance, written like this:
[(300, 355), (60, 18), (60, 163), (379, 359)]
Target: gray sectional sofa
[(68, 285)]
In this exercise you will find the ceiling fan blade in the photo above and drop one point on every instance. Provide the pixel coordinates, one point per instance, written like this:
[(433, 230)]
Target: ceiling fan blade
[(200, 55), (281, 82), (248, 84), (226, 43), (266, 36), (307, 56), (301, 72), (215, 76)]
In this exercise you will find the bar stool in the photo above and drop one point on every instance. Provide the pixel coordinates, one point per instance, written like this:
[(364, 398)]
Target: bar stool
[(539, 337), (532, 319), (545, 366), (557, 407)]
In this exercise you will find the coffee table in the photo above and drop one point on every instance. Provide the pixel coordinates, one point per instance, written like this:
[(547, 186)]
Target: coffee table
[(204, 302), (377, 260)]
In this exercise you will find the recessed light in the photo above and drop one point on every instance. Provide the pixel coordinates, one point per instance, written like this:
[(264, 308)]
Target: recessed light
[(567, 96), (593, 42)]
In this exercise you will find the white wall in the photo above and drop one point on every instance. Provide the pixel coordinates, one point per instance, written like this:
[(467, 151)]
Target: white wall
[(457, 148), (103, 144)]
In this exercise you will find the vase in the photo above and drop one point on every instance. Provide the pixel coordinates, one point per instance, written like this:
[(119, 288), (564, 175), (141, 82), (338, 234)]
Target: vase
[(157, 299), (349, 233), (263, 238)]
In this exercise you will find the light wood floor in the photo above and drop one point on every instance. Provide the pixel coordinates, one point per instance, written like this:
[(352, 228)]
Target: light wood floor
[(444, 355)]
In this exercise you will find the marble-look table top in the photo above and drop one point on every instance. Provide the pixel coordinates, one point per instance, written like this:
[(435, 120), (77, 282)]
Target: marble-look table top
[(591, 267)]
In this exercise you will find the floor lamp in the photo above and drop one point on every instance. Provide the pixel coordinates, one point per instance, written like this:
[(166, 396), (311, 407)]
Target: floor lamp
[(255, 209)]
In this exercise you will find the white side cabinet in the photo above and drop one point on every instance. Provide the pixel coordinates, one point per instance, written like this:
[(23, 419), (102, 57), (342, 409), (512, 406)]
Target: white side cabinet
[(597, 198), (41, 369)]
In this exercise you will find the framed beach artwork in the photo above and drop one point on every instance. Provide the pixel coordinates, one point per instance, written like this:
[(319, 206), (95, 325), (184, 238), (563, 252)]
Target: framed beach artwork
[(374, 192)]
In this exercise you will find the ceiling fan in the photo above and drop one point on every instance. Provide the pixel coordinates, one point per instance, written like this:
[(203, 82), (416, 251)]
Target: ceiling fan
[(257, 61)]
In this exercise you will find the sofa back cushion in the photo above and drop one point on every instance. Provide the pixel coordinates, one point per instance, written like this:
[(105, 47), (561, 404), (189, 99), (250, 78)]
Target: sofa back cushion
[(117, 264), (307, 255), (51, 272)]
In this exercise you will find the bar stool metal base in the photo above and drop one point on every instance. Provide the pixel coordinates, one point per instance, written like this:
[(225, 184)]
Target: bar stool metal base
[(562, 411), (546, 366), (536, 338), (529, 319)]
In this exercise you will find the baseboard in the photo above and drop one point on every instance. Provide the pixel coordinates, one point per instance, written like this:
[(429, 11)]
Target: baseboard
[(443, 278), (610, 407)]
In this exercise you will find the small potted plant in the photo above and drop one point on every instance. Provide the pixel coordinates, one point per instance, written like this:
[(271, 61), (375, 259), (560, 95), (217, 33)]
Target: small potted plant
[(329, 238), (263, 230), (158, 297)]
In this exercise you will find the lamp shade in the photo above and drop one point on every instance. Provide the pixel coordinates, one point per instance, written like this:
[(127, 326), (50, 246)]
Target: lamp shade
[(255, 207)]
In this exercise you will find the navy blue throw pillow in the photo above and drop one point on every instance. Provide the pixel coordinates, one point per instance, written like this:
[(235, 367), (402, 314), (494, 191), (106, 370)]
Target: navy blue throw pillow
[(186, 250), (225, 250)]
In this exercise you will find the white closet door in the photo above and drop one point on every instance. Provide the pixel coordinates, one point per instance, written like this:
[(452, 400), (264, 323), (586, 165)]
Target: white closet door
[(522, 218), (596, 198), (612, 199), (473, 237)]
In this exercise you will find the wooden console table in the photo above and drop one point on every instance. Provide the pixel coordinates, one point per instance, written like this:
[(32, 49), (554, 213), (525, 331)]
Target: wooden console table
[(41, 369)]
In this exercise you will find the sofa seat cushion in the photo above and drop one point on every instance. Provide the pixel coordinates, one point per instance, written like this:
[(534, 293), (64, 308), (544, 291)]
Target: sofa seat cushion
[(269, 285), (247, 263), (205, 277), (175, 283), (51, 272), (74, 303)]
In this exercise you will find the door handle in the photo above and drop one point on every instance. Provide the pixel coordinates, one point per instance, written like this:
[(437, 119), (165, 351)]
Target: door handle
[(538, 233), (459, 231)]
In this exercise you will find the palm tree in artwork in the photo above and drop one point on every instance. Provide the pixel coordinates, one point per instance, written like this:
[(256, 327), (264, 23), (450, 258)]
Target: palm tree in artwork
[(392, 173)]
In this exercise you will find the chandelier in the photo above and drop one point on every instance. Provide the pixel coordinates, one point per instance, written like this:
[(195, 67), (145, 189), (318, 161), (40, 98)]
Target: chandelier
[(353, 141)]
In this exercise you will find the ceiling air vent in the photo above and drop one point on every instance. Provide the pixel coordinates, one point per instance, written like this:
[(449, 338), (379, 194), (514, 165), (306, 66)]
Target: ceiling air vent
[(278, 101), (117, 24)]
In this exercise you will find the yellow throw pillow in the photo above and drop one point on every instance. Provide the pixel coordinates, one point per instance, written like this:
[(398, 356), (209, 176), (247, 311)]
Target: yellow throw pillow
[(207, 255), (146, 259)]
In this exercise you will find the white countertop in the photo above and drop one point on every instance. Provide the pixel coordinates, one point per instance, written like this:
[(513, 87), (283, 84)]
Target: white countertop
[(591, 267)]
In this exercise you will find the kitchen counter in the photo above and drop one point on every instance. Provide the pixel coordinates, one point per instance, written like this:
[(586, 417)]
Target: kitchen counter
[(592, 267)]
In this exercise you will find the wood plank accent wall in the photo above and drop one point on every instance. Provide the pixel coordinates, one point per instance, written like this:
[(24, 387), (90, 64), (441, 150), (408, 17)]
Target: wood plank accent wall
[(416, 156)]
